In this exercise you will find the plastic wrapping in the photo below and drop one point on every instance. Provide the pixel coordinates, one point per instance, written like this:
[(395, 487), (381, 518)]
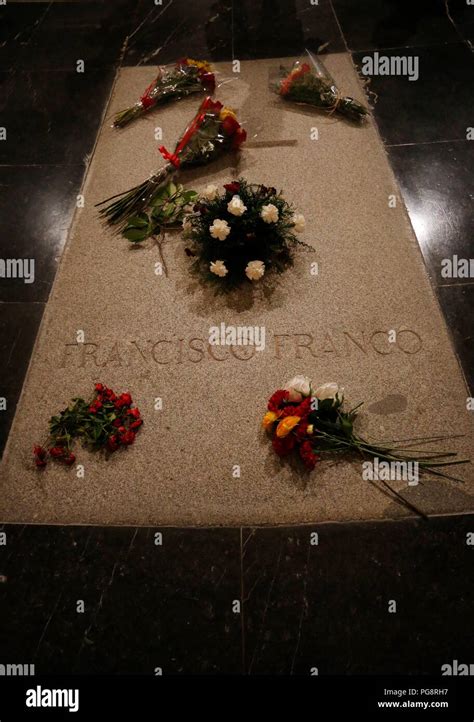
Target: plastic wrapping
[(310, 82), (172, 82), (213, 130)]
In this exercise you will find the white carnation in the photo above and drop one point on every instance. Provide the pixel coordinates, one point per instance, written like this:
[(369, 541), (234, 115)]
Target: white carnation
[(299, 222), (269, 213), (255, 270), (209, 192), (219, 229), (218, 267), (236, 206)]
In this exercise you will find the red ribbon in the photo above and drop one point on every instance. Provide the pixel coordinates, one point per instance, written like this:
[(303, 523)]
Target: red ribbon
[(206, 105), (145, 100)]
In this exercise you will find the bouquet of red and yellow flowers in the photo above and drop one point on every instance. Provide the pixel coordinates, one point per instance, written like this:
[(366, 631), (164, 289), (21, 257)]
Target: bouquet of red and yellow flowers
[(214, 130), (172, 82), (310, 82), (314, 423)]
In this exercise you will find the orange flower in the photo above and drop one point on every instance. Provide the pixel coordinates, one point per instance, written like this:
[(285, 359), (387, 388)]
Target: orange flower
[(201, 64), (269, 418), (286, 425)]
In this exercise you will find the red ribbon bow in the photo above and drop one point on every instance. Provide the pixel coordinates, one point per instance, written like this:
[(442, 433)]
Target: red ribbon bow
[(206, 105)]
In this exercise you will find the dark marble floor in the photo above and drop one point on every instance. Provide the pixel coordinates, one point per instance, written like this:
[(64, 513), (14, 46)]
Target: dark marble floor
[(171, 606)]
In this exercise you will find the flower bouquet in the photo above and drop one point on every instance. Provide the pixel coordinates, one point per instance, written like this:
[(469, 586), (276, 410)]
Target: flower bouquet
[(214, 130), (172, 81), (314, 424), (242, 234), (310, 82), (106, 422)]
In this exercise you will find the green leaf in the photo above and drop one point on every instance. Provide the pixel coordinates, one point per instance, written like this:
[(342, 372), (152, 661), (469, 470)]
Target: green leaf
[(140, 220), (171, 188), (157, 213), (136, 234), (168, 210), (188, 196), (159, 196)]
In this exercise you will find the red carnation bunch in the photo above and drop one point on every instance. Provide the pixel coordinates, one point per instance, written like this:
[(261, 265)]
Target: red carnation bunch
[(106, 422)]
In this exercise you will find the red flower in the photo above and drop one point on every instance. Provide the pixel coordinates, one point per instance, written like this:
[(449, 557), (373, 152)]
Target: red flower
[(239, 137), (208, 81), (310, 459), (276, 400), (57, 451), (69, 460), (283, 446), (92, 409), (289, 410), (127, 438), (230, 125), (123, 400), (99, 388), (112, 442), (233, 187), (134, 412), (136, 424), (40, 455), (304, 407), (301, 430)]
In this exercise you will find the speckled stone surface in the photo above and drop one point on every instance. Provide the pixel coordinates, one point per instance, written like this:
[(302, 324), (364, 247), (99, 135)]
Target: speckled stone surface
[(148, 334)]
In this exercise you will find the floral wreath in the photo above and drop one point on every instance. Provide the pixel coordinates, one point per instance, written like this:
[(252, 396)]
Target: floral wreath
[(242, 234)]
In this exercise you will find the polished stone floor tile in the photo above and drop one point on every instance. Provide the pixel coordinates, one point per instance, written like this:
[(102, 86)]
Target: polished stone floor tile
[(436, 181), (457, 303), (102, 14), (18, 22), (373, 24), (19, 323), (78, 44), (145, 606), (52, 117), (329, 607), (462, 14), (165, 33), (438, 106), (277, 28), (37, 204)]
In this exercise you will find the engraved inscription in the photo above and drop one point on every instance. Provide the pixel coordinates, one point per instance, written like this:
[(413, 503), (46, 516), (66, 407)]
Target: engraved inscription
[(298, 346)]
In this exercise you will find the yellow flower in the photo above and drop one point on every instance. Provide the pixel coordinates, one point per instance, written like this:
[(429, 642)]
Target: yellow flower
[(309, 429), (269, 418), (286, 425), (199, 64), (225, 112)]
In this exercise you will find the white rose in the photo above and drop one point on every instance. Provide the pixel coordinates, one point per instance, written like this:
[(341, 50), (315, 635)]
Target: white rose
[(209, 192), (298, 387), (255, 270), (236, 206), (269, 213), (328, 391), (219, 229), (298, 222), (218, 267)]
